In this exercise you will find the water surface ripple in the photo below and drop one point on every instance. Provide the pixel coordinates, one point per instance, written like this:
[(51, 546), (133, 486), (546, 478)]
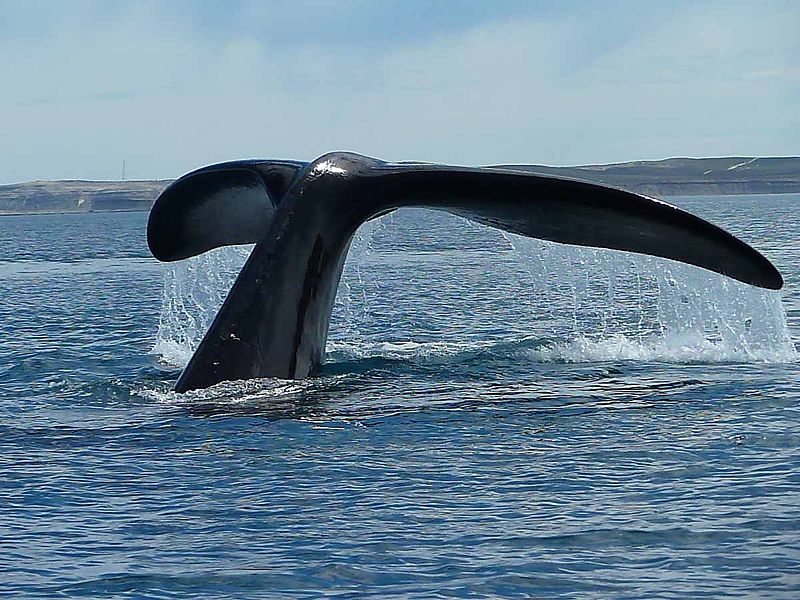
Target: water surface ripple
[(498, 417)]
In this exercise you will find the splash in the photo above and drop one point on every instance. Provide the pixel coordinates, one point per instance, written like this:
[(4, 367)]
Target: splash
[(624, 306), (673, 348), (553, 303), (194, 290)]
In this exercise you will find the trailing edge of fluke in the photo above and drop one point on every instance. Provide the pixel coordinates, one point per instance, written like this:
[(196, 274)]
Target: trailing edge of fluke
[(302, 217)]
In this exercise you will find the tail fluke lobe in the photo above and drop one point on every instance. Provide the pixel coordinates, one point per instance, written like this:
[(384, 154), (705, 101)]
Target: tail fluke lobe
[(220, 205), (576, 212)]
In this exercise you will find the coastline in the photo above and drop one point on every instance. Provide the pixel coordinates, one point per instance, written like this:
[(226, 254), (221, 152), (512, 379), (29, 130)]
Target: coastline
[(731, 176)]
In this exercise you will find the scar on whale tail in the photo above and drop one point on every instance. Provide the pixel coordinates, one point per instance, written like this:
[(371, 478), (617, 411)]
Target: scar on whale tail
[(302, 217)]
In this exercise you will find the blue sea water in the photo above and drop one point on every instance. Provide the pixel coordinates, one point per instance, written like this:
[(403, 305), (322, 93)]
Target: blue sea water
[(498, 417)]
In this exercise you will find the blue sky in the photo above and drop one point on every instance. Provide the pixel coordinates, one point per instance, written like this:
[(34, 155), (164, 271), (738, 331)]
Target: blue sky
[(170, 86)]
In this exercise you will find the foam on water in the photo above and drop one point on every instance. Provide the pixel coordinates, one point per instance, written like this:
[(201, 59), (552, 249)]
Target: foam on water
[(677, 348), (578, 305)]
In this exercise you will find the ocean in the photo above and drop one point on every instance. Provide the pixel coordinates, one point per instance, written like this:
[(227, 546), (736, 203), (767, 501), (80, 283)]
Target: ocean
[(497, 417)]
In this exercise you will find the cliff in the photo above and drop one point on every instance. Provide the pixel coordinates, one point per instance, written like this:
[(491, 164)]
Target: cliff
[(78, 196)]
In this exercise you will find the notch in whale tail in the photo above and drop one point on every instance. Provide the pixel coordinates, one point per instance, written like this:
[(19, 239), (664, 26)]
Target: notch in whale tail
[(274, 322)]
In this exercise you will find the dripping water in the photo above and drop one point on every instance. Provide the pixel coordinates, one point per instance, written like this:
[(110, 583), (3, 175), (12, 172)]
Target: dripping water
[(426, 283)]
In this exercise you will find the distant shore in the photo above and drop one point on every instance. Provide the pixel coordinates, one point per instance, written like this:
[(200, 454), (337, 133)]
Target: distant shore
[(70, 212), (662, 178)]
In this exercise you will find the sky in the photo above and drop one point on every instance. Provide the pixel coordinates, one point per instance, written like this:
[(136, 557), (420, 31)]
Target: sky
[(167, 87)]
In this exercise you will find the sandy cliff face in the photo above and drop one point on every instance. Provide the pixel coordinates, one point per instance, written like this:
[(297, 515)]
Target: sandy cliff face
[(78, 196)]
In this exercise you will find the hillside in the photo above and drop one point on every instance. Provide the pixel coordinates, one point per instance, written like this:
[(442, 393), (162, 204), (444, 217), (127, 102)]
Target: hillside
[(37, 197), (670, 177)]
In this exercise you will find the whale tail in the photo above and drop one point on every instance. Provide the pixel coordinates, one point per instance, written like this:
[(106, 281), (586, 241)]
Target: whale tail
[(302, 216)]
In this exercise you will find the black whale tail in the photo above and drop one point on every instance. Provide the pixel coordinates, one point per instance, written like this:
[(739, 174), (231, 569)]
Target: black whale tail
[(274, 322)]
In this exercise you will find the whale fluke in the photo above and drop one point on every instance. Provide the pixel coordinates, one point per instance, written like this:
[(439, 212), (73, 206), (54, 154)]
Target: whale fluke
[(302, 217), (220, 205)]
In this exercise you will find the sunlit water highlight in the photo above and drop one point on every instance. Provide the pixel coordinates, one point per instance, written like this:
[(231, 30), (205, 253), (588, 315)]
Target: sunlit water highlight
[(496, 417)]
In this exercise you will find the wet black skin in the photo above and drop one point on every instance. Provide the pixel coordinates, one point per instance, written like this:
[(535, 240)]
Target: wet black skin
[(302, 217)]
